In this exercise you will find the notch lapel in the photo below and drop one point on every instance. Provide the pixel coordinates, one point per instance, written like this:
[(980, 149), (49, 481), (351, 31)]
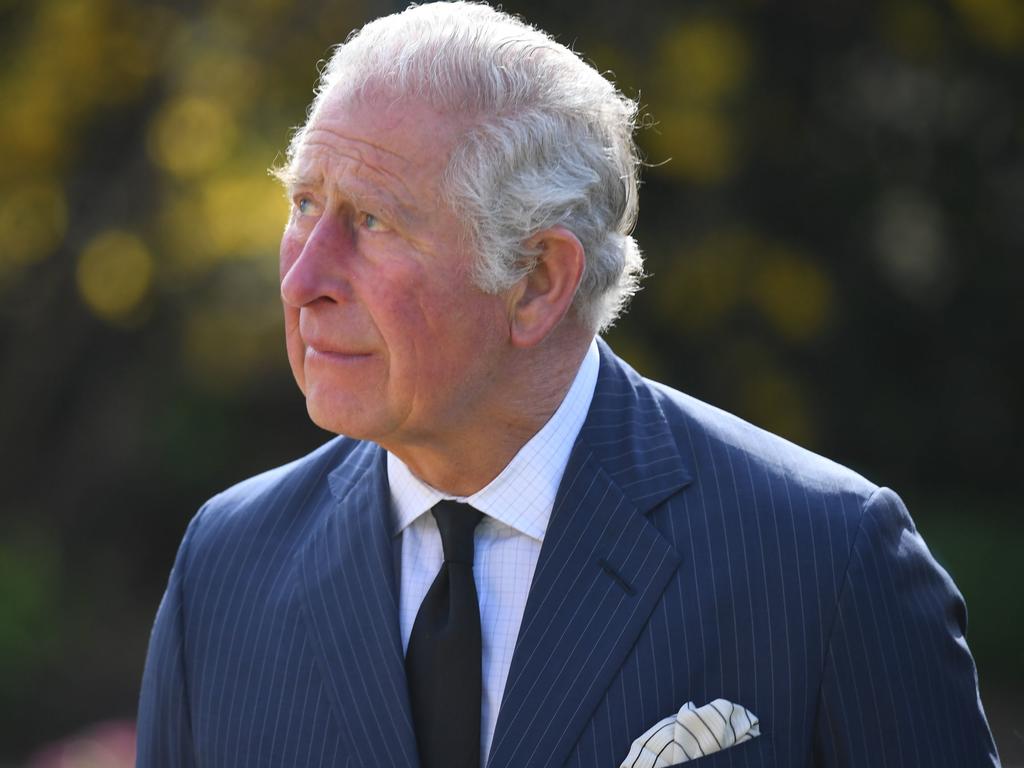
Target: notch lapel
[(602, 569), (350, 605)]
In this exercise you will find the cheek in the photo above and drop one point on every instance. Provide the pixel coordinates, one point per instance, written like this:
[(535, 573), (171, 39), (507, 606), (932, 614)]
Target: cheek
[(398, 295), (296, 348), (411, 317), (461, 332)]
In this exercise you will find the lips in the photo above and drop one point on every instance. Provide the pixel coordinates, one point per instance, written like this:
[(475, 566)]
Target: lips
[(326, 350), (319, 353), (317, 338)]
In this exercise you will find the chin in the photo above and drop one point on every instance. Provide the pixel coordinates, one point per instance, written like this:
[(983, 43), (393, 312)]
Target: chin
[(348, 419), (327, 419)]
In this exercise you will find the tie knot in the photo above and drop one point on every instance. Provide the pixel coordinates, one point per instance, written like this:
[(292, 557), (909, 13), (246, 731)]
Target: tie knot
[(456, 522)]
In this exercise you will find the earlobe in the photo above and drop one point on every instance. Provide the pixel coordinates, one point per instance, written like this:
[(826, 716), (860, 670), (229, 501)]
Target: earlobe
[(544, 296)]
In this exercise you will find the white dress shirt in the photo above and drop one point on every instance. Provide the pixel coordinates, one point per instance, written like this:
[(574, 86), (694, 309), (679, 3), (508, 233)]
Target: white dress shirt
[(517, 506)]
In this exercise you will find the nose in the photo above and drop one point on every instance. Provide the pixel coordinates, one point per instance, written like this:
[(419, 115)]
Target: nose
[(311, 269)]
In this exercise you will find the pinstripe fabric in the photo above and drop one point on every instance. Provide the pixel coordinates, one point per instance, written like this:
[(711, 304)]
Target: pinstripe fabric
[(517, 506), (689, 557)]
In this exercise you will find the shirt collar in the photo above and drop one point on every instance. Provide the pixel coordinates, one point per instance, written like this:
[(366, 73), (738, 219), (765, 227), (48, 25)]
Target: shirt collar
[(523, 494)]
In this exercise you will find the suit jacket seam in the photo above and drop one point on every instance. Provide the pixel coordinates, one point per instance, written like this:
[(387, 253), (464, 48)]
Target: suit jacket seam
[(845, 587)]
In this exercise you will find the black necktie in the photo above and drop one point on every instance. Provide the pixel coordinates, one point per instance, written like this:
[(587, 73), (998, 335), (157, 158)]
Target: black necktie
[(443, 663)]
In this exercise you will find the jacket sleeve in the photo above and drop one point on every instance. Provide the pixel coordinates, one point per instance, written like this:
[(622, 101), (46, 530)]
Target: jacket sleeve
[(164, 732), (899, 687)]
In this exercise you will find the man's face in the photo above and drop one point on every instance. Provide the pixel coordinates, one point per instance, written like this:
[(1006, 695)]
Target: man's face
[(388, 337)]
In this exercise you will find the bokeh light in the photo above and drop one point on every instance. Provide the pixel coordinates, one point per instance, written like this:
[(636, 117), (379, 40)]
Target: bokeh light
[(701, 65), (793, 293), (191, 135), (33, 220), (114, 275), (704, 59), (997, 22), (830, 213)]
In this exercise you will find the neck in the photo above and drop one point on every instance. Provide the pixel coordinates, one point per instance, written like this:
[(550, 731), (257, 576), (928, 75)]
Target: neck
[(470, 457)]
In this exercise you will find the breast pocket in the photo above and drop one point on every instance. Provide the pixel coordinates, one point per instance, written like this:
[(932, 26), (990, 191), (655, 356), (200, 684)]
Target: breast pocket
[(755, 753)]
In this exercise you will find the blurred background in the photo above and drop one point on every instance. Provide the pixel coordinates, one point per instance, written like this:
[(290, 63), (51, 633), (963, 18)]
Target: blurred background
[(833, 219)]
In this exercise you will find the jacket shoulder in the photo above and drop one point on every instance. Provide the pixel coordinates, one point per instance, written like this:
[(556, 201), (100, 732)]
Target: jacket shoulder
[(279, 503)]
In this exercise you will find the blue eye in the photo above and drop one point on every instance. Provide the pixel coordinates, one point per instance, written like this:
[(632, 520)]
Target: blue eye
[(374, 224), (304, 205)]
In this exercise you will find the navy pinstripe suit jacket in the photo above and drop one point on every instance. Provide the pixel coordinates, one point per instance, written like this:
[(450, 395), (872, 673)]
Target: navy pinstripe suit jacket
[(689, 557)]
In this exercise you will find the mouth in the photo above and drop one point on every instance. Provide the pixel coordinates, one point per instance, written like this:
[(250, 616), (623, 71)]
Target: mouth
[(317, 353)]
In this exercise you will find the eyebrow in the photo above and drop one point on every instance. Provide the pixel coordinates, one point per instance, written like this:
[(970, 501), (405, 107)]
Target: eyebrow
[(292, 179)]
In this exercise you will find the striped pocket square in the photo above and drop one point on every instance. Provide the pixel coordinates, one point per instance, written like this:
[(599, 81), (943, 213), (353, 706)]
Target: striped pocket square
[(692, 733)]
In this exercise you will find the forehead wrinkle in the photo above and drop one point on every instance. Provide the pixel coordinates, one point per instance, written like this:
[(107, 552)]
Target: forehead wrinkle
[(350, 154), (321, 128), (358, 148)]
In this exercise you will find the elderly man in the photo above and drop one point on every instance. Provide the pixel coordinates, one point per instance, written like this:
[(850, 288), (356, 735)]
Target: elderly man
[(518, 552)]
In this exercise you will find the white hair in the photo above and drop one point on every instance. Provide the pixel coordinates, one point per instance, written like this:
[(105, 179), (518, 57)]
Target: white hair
[(549, 143)]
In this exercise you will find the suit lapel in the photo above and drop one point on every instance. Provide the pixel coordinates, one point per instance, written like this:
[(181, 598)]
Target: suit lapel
[(603, 566), (349, 601)]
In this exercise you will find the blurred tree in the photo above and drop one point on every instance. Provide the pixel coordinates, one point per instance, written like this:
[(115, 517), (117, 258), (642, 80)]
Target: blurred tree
[(830, 214)]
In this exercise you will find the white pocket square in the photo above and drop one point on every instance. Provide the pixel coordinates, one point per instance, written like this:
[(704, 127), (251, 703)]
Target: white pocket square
[(692, 733)]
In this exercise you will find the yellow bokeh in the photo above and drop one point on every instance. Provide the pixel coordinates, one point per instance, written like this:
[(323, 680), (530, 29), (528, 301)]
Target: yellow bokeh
[(32, 125), (733, 269), (1000, 23), (114, 275), (72, 56), (191, 135), (704, 59), (695, 143), (700, 67), (792, 292), (244, 215), (182, 233), (67, 45), (133, 48), (229, 77), (33, 220), (226, 218)]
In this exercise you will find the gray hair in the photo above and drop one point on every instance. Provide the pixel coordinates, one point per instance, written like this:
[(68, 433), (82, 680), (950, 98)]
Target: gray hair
[(550, 141)]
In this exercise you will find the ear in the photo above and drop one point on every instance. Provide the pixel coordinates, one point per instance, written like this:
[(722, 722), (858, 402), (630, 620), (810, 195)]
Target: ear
[(543, 297)]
